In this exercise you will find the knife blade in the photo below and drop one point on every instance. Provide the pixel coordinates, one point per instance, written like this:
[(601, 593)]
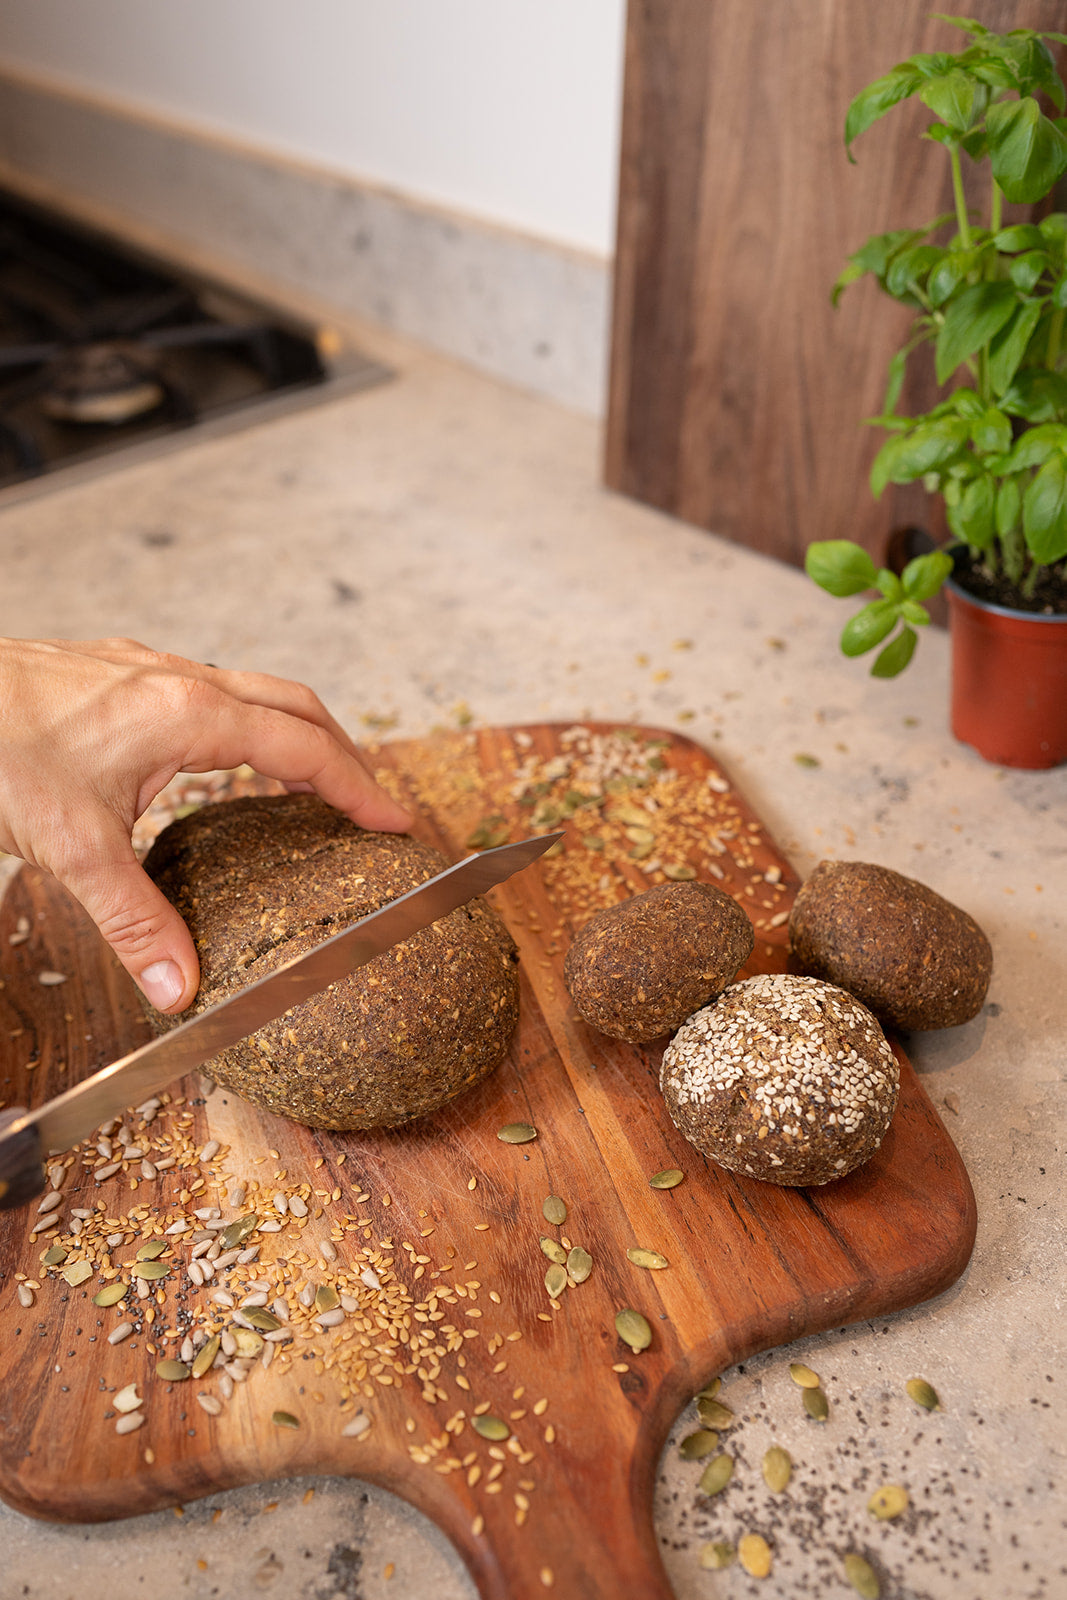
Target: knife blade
[(61, 1122)]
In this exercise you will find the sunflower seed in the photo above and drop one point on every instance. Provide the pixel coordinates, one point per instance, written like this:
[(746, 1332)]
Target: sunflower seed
[(130, 1422), (816, 1404), (669, 1178), (633, 1329), (44, 1224), (297, 1206), (715, 1556), (328, 1249), (127, 1399), (50, 1202), (862, 1576), (888, 1502), (171, 1371), (330, 1319), (25, 1295), (716, 1475), (803, 1376), (517, 1133), (754, 1554), (50, 979), (695, 1446), (195, 1273), (777, 1468), (490, 1427), (556, 1281), (212, 1406), (284, 1419), (111, 1294), (280, 1202), (108, 1171), (579, 1263), (148, 1171), (210, 1150), (923, 1393), (123, 1331), (553, 1210), (647, 1258), (357, 1427)]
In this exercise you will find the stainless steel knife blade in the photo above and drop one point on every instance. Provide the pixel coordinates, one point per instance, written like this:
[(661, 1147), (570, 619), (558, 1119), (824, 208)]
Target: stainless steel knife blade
[(70, 1116)]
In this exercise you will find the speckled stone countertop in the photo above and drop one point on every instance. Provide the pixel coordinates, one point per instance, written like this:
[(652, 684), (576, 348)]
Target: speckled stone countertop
[(439, 548)]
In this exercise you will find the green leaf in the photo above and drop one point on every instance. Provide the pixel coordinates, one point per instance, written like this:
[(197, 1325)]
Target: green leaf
[(1010, 345), (963, 402), (839, 566), (908, 456), (1023, 236), (880, 97), (911, 611), (957, 97), (1027, 151), (1009, 506), (991, 431), (1045, 512), (874, 256), (869, 627), (972, 519), (970, 322), (909, 269), (889, 584), (896, 655), (1059, 293), (895, 383), (1037, 395), (924, 575), (1026, 269), (1036, 445), (1053, 229)]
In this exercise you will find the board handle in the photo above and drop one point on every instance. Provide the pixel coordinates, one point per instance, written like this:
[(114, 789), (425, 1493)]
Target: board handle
[(21, 1169)]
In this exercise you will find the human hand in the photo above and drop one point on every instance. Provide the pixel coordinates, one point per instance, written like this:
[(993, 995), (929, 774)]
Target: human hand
[(91, 731)]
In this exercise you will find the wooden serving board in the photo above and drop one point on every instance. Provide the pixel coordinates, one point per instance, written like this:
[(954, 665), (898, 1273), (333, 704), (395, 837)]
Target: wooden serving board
[(751, 1265)]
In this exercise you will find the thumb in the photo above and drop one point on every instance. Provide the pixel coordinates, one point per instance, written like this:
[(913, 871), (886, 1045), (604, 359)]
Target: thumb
[(141, 926)]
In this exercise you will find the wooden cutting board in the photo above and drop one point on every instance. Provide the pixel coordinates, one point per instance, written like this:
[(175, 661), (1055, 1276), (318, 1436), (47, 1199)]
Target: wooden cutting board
[(448, 1218)]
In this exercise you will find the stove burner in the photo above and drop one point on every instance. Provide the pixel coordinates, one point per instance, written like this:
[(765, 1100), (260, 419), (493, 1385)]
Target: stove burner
[(108, 383)]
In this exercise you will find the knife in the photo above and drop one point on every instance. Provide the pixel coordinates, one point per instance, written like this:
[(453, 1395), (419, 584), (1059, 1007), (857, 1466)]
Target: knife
[(25, 1135)]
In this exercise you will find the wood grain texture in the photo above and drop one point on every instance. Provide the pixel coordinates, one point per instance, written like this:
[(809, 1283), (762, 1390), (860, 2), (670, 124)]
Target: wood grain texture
[(737, 393), (752, 1265)]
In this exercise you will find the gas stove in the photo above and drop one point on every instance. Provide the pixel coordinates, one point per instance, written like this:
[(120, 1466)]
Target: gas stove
[(104, 349)]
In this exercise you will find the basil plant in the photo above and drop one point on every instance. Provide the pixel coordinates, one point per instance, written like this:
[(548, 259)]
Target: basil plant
[(991, 301)]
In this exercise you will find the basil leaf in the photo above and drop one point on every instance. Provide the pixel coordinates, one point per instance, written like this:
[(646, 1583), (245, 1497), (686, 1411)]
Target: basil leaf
[(1010, 345), (948, 274), (1045, 512), (1027, 151), (957, 97), (973, 518), (911, 611), (970, 322), (1009, 506), (909, 269), (1023, 236), (896, 655), (869, 627), (879, 97), (908, 456), (991, 431), (924, 575), (1037, 395), (1027, 268), (1036, 445), (839, 566)]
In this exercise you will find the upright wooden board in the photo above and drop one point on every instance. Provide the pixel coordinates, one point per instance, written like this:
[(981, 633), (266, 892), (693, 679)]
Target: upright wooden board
[(431, 1232), (738, 393)]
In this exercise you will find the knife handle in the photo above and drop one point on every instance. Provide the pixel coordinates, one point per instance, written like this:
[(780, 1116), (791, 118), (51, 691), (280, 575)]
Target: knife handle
[(21, 1169)]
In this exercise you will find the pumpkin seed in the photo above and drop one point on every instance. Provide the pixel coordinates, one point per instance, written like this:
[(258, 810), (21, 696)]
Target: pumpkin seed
[(490, 1427), (554, 1210), (803, 1376), (151, 1269), (679, 871), (777, 1468), (695, 1446), (238, 1231), (172, 1371), (669, 1178), (54, 1256), (862, 1576), (555, 1252), (556, 1281), (715, 1556), (490, 832), (249, 1343), (579, 1263), (517, 1133), (888, 1502), (284, 1419), (205, 1356), (149, 1251), (640, 835), (716, 1475), (633, 1329), (754, 1554), (816, 1404), (77, 1272), (714, 1414), (647, 1258), (111, 1294), (923, 1393), (709, 1391), (265, 1321), (326, 1298)]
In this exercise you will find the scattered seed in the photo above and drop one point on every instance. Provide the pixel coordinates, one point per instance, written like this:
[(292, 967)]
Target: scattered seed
[(713, 1413), (695, 1446), (357, 1427), (709, 1391), (517, 1133), (249, 1343), (555, 1252), (130, 1422), (669, 1178), (111, 1294), (172, 1371), (210, 1404), (265, 1321), (679, 871), (633, 1329), (326, 1298), (647, 1258), (77, 1272), (923, 1393), (888, 1502), (205, 1356), (297, 1206), (210, 1150), (862, 1576), (25, 1295), (715, 1556), (553, 1210), (284, 1419), (490, 1427), (803, 1376), (816, 1404), (556, 1281), (238, 1231), (50, 979), (50, 1202), (579, 1263), (152, 1250), (777, 1468), (754, 1554), (127, 1399), (716, 1475), (54, 1256), (123, 1331), (151, 1270)]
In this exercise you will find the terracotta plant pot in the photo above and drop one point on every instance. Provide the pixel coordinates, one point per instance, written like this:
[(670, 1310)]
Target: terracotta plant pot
[(1009, 681)]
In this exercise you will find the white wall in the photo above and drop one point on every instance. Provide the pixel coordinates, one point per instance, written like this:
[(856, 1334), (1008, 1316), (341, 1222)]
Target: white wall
[(505, 109)]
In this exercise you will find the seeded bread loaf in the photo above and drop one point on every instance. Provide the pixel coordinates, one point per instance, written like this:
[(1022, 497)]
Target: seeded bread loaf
[(261, 880), (914, 958), (638, 969), (783, 1078)]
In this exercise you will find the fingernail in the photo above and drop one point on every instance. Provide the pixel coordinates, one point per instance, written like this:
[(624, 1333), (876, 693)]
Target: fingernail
[(162, 983)]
